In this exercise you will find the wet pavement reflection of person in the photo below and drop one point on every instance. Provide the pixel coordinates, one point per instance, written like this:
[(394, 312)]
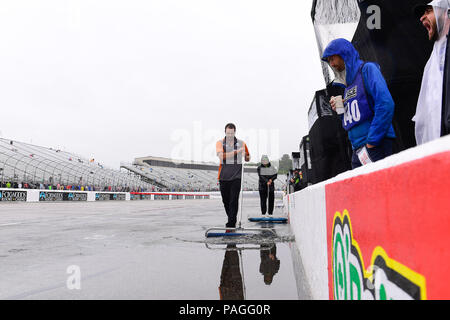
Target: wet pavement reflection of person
[(231, 280), (270, 264), (232, 286)]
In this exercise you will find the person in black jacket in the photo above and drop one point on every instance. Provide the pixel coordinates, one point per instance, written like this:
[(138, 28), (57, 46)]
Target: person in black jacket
[(267, 175), (296, 180), (270, 264)]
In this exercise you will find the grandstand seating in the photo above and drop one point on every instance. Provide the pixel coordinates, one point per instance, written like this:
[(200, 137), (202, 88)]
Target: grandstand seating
[(187, 176), (38, 167), (24, 164)]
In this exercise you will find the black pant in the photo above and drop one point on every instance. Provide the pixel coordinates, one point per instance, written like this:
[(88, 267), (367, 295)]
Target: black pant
[(230, 197), (376, 153), (263, 197), (231, 287)]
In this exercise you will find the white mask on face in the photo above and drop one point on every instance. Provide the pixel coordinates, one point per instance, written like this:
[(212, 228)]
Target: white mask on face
[(340, 77)]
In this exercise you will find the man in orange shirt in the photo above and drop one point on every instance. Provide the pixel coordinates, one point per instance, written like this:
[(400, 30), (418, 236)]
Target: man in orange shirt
[(230, 150)]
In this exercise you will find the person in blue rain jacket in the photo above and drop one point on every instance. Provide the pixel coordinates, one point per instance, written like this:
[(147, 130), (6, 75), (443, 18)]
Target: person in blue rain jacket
[(369, 107)]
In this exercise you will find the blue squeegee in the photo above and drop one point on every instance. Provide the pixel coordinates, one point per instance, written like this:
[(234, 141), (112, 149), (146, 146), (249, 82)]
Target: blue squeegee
[(224, 234), (268, 219)]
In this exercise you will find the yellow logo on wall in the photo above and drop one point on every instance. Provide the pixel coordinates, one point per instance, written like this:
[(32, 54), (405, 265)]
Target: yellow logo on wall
[(384, 279)]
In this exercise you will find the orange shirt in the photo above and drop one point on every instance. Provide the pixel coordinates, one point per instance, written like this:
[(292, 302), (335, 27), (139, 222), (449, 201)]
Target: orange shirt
[(220, 148)]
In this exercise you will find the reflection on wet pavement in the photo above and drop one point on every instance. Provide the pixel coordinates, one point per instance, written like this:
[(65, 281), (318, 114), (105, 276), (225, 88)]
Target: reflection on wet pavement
[(232, 282), (142, 250)]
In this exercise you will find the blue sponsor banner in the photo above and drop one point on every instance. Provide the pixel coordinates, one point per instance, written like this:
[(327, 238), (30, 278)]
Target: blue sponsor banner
[(62, 196), (110, 196)]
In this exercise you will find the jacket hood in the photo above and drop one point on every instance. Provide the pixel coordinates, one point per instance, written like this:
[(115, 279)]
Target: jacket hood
[(440, 8), (348, 53), (265, 160)]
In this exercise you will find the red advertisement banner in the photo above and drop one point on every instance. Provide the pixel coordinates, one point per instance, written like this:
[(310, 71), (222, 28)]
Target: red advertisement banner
[(388, 232)]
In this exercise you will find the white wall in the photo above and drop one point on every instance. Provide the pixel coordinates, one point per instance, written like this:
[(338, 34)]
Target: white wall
[(308, 223)]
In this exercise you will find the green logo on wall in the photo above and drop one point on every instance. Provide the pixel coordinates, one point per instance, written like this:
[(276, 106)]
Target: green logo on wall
[(384, 279)]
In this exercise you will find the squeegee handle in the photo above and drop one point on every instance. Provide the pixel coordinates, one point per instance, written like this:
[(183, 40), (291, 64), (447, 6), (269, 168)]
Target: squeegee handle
[(242, 186)]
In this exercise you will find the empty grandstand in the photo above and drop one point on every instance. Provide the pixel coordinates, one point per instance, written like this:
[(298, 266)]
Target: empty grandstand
[(24, 165), (177, 175)]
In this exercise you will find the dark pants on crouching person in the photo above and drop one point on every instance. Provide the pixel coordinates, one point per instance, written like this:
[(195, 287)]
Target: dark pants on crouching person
[(383, 150), (263, 195), (230, 191)]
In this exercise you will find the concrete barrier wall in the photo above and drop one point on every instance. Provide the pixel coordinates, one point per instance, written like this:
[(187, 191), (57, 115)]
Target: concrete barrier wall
[(308, 222), (35, 195), (169, 195), (380, 231)]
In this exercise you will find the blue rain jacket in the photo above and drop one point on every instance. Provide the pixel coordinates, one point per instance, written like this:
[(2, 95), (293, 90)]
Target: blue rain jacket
[(375, 129)]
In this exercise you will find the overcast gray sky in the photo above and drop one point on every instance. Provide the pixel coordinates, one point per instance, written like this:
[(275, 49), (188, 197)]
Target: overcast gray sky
[(115, 80)]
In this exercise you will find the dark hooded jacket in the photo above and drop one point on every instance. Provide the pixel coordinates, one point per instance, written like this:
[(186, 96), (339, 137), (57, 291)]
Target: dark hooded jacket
[(266, 173)]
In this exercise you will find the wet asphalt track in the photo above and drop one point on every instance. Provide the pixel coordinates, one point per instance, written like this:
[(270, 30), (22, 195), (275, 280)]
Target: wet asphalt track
[(140, 250)]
